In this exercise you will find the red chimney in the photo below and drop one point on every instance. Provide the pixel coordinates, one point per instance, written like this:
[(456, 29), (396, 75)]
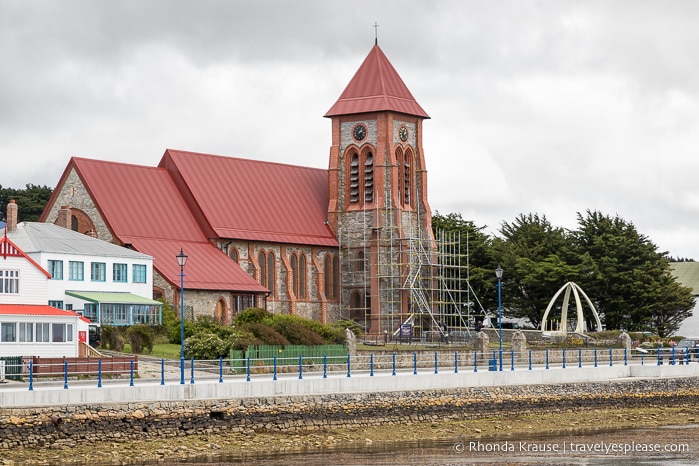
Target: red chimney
[(63, 218)]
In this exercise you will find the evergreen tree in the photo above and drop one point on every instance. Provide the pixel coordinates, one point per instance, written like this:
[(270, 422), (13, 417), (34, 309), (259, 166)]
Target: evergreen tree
[(30, 201), (629, 279), (537, 260)]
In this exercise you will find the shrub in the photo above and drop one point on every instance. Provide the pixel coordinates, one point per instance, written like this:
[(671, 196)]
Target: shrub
[(206, 346), (141, 337), (112, 338), (330, 335), (242, 339), (297, 333), (266, 334), (252, 315)]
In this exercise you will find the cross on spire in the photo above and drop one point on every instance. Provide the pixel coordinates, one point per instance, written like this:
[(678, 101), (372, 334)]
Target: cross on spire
[(376, 33)]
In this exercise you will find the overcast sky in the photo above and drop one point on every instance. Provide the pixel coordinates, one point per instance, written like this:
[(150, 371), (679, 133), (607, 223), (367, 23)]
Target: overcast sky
[(549, 107)]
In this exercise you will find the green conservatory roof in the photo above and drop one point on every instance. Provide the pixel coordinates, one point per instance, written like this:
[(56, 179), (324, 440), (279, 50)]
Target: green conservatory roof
[(112, 298)]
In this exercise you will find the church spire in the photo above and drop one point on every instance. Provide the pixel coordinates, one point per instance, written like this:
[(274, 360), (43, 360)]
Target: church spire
[(376, 87)]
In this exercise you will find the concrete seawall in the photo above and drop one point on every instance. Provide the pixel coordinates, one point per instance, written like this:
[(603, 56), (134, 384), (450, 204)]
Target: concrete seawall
[(82, 414)]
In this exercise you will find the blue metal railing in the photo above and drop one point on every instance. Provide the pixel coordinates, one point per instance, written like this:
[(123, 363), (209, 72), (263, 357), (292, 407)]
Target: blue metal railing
[(369, 364)]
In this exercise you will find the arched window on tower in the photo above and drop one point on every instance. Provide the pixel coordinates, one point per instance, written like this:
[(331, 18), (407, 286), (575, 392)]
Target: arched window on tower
[(369, 178), (401, 179), (407, 178), (233, 254), (354, 178), (360, 180), (359, 266), (357, 310)]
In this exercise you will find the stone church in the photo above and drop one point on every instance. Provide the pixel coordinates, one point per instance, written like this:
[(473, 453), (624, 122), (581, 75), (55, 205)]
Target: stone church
[(346, 242)]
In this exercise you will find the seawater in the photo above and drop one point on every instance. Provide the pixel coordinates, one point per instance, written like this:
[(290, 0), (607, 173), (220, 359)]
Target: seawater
[(667, 446)]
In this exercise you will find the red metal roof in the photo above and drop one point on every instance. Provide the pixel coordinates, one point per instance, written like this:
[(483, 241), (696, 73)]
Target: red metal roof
[(34, 310), (375, 87), (138, 201), (254, 200), (143, 207), (207, 268)]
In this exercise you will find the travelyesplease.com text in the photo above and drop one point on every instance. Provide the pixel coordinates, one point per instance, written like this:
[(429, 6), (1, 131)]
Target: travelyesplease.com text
[(594, 448)]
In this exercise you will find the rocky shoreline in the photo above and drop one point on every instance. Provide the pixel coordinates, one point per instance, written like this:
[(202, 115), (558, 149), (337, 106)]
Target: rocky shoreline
[(250, 443), (163, 432)]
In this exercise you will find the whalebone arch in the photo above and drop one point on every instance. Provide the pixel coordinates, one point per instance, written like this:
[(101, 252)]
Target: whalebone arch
[(567, 289)]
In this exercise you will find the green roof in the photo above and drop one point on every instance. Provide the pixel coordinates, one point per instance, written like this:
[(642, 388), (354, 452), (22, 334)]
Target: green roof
[(687, 274), (112, 298)]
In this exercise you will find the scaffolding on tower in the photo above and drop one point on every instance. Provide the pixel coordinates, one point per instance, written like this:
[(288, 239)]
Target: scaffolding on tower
[(422, 280)]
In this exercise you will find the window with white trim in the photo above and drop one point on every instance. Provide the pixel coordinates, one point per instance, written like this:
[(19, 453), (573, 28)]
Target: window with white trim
[(61, 333), (8, 332), (26, 331), (9, 281), (42, 332)]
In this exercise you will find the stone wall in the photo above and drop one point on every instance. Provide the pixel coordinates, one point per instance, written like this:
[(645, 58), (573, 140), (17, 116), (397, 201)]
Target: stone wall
[(77, 424)]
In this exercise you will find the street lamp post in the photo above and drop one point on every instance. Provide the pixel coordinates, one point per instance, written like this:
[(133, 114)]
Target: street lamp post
[(498, 273), (181, 261)]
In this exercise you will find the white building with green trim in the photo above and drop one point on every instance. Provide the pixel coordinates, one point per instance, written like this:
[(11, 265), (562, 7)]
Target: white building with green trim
[(106, 283)]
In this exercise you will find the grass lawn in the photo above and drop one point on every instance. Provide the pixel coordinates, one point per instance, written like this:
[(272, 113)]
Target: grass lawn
[(160, 350)]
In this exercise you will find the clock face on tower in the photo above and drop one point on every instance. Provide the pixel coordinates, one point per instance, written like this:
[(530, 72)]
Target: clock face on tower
[(359, 132), (403, 133)]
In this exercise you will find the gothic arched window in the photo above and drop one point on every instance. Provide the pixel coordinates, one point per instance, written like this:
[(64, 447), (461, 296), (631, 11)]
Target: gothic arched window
[(267, 270), (369, 178), (299, 273), (354, 178), (331, 266), (407, 178)]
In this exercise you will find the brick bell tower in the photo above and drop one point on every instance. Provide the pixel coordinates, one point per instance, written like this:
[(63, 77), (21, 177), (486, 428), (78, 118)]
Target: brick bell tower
[(378, 204)]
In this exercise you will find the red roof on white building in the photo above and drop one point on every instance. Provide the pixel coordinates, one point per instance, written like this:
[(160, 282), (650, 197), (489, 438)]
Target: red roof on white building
[(35, 310)]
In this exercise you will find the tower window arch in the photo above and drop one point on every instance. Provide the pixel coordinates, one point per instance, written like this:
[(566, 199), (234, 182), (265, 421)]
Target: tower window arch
[(369, 178), (357, 309), (405, 176), (407, 172), (360, 266), (354, 178), (361, 177)]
